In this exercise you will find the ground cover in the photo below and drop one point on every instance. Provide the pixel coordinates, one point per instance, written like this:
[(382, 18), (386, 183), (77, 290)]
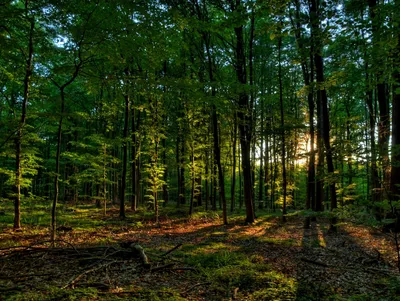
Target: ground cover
[(193, 258)]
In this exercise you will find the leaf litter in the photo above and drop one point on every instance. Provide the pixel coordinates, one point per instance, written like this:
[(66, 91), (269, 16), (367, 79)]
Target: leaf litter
[(348, 263)]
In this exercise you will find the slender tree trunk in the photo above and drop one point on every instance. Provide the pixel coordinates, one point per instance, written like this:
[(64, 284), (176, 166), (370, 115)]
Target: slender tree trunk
[(178, 162), (207, 196), (310, 202), (253, 116), (261, 175), (273, 169), (349, 152), (18, 140), (134, 201), (155, 180), (105, 179), (164, 162), (182, 171), (283, 154), (125, 159), (216, 136), (214, 185), (57, 171), (193, 175), (58, 148), (164, 146), (266, 172), (217, 158), (240, 181), (137, 159), (234, 146)]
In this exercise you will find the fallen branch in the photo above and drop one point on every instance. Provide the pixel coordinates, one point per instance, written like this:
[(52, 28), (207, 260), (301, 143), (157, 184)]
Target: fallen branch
[(76, 278), (184, 269), (162, 267), (170, 251)]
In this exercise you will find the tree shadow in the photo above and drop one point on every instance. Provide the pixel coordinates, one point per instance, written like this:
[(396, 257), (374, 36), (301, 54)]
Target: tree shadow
[(337, 264)]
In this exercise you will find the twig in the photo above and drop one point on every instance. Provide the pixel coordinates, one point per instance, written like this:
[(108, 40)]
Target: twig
[(184, 269), (161, 267), (75, 279), (196, 285), (170, 251), (104, 258)]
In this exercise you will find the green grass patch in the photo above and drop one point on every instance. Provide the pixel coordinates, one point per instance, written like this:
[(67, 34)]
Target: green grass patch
[(56, 294), (254, 279)]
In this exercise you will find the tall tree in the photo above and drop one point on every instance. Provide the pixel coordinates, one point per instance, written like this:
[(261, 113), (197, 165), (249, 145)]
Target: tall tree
[(315, 17), (30, 18), (244, 109)]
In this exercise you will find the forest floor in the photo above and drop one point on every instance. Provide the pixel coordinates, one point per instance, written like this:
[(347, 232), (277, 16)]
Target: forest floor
[(193, 259)]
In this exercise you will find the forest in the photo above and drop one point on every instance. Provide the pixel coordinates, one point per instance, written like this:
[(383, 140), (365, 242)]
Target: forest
[(200, 150)]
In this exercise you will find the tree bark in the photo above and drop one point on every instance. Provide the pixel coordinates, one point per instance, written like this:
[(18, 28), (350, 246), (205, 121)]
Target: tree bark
[(384, 119), (18, 139), (323, 100), (283, 152), (244, 119), (395, 170), (124, 159), (234, 146), (134, 201)]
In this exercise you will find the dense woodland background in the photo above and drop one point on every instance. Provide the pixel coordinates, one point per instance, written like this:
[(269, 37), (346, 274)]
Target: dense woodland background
[(215, 104)]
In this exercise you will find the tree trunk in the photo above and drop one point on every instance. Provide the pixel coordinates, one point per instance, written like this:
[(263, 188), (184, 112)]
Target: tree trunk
[(234, 146), (105, 179), (57, 171), (124, 160), (308, 77), (217, 158), (283, 153), (323, 100), (384, 119), (193, 182), (137, 159), (395, 171), (134, 200), (18, 139), (244, 119), (261, 175)]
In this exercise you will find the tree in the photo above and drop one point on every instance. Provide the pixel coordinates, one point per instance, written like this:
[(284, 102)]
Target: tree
[(244, 109), (315, 12)]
